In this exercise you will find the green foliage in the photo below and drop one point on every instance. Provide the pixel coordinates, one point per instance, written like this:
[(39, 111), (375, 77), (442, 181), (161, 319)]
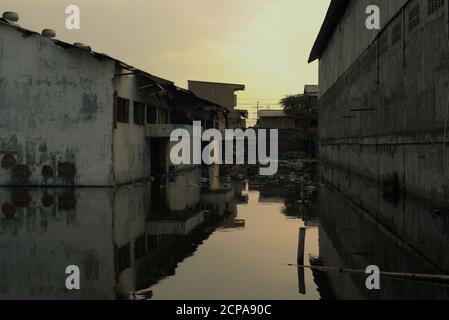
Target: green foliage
[(299, 106)]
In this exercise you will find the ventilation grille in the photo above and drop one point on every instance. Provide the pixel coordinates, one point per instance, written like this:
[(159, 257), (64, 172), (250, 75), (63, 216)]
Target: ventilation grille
[(396, 34), (434, 5), (413, 18)]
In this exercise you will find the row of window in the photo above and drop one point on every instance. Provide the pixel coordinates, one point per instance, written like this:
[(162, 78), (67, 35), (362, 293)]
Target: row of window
[(414, 15), (414, 20), (143, 114), (434, 5)]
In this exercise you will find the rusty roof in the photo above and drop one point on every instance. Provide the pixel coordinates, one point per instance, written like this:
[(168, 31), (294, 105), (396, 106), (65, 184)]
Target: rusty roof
[(335, 13), (237, 87)]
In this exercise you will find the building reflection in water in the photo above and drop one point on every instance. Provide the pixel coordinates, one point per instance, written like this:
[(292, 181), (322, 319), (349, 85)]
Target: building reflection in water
[(126, 241), (123, 240), (408, 237)]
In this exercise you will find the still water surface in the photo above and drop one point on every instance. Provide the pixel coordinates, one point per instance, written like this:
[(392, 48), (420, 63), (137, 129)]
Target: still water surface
[(249, 262), (176, 240)]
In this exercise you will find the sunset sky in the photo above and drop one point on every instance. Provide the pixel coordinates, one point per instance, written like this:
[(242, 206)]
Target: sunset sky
[(263, 44)]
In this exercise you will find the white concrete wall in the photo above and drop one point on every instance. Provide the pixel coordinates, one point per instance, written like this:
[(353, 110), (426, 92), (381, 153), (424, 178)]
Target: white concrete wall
[(132, 150), (351, 38), (56, 106)]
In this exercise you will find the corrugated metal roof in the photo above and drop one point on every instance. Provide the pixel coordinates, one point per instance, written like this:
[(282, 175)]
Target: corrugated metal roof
[(336, 11), (237, 87)]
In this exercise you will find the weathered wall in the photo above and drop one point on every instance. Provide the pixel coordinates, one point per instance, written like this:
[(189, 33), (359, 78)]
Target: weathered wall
[(56, 107), (351, 38), (289, 140), (277, 123), (403, 91), (131, 147)]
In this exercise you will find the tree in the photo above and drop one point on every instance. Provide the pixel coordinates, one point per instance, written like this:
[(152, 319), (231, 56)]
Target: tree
[(299, 106)]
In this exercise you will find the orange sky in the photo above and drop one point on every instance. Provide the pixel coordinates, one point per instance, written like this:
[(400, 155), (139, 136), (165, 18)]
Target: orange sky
[(263, 44)]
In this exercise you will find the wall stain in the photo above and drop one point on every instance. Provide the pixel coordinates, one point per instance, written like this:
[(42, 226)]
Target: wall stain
[(90, 107)]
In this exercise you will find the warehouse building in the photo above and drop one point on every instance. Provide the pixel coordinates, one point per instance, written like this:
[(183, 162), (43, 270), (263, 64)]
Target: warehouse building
[(383, 98), (75, 117)]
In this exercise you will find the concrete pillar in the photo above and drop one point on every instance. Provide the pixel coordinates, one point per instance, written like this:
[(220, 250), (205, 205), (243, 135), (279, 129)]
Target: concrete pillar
[(214, 177)]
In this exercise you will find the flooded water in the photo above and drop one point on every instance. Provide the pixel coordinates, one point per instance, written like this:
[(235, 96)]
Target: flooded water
[(245, 261), (179, 240)]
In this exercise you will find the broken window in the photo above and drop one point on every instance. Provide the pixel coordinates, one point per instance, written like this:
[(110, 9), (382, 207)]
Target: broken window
[(151, 115), (122, 110), (139, 113)]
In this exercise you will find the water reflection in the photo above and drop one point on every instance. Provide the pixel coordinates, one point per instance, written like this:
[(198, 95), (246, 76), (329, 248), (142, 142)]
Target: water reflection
[(123, 240), (179, 239), (409, 237), (44, 231), (173, 239)]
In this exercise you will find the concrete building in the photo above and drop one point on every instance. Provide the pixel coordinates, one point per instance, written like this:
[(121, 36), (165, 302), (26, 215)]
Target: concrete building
[(75, 117), (276, 119), (224, 95), (383, 96), (311, 91), (293, 136)]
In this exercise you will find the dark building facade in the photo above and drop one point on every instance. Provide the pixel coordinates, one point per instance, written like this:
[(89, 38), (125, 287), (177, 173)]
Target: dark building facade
[(383, 96)]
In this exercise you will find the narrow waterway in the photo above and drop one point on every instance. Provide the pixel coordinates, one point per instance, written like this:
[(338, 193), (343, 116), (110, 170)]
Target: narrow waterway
[(181, 240), (248, 261)]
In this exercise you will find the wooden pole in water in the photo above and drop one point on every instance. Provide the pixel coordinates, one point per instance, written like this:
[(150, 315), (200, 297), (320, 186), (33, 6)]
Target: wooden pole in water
[(301, 249), (301, 246)]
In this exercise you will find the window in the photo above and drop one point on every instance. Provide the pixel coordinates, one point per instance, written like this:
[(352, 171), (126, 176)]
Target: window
[(139, 113), (163, 116), (151, 115), (434, 5), (413, 18), (122, 110), (396, 33)]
